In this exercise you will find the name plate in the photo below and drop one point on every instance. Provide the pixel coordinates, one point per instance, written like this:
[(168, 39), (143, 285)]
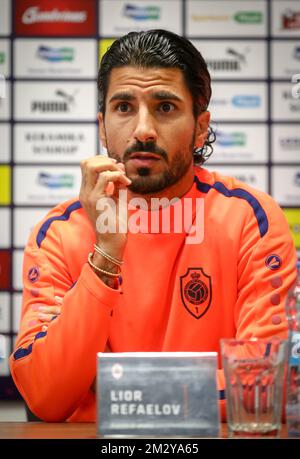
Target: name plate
[(157, 393)]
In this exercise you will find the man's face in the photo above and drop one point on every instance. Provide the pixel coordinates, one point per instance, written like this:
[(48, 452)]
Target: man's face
[(149, 126)]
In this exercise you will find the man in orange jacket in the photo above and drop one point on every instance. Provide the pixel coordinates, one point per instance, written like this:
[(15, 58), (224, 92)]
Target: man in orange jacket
[(205, 256)]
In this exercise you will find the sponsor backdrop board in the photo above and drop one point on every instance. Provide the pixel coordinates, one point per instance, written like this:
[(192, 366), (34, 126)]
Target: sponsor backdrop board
[(16, 309), (285, 101), (49, 55), (5, 17), (5, 148), (62, 101), (17, 262), (285, 143), (285, 20), (234, 59), (289, 62), (38, 185), (54, 143), (286, 184), (240, 143), (118, 17), (5, 227), (53, 58), (53, 18), (5, 100), (239, 101), (255, 176), (5, 57), (293, 218), (4, 312), (209, 18)]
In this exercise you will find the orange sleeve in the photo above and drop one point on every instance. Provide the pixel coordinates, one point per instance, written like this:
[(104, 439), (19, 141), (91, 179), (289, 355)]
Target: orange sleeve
[(54, 370), (266, 271)]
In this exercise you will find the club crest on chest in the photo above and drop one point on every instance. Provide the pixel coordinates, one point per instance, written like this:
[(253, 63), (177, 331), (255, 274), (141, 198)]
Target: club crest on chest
[(196, 291)]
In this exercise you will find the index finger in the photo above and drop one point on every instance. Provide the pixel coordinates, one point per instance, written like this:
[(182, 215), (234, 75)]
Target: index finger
[(91, 167)]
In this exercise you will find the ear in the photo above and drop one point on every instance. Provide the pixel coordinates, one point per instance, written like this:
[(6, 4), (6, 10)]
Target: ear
[(202, 124), (102, 135)]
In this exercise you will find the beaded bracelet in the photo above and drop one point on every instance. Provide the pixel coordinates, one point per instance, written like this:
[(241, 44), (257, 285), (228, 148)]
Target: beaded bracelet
[(108, 273)]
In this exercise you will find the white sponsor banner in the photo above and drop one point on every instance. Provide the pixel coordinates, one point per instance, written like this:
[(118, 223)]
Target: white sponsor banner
[(5, 148), (54, 58), (4, 99), (14, 341), (120, 16), (233, 58), (24, 222), (17, 309), (285, 143), (5, 228), (230, 18), (4, 312), (238, 101), (285, 21), (285, 58), (4, 355), (284, 105), (4, 57), (54, 143), (5, 17), (240, 143), (55, 101), (17, 269), (286, 185), (255, 176), (47, 185)]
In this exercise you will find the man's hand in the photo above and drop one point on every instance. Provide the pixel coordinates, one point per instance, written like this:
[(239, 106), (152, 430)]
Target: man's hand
[(102, 179), (46, 313)]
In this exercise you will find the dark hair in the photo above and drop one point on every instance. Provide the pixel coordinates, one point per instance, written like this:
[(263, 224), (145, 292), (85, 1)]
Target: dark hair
[(161, 48)]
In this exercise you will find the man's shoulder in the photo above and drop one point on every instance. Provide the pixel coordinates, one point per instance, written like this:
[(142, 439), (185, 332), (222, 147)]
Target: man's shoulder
[(64, 211), (66, 208), (229, 186), (62, 219), (229, 193)]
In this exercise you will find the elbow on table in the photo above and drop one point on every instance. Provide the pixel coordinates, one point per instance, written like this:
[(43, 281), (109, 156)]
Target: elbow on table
[(48, 412), (43, 401)]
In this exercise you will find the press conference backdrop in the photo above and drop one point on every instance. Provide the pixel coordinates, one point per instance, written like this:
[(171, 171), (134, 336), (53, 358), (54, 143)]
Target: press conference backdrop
[(49, 54)]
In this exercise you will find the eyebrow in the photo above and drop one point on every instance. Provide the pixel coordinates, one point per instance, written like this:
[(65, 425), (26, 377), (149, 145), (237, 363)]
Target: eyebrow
[(158, 95)]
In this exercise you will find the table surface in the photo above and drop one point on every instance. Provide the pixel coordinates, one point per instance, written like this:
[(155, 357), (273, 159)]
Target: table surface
[(30, 430)]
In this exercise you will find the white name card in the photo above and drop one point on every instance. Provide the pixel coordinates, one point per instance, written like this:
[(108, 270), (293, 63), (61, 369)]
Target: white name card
[(157, 393)]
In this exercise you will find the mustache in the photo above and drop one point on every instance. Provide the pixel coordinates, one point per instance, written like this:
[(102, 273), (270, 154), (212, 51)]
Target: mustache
[(149, 147)]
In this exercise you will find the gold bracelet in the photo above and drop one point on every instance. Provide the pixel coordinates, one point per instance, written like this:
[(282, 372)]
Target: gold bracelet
[(108, 273), (115, 261)]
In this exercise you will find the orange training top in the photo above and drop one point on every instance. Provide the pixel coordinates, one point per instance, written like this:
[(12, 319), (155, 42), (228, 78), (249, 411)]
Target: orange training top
[(174, 296)]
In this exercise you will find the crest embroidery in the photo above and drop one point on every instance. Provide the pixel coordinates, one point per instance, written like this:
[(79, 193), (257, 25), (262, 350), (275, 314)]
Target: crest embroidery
[(196, 291)]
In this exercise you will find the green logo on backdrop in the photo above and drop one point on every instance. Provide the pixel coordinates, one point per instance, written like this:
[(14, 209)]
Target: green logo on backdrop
[(249, 17), (141, 13), (238, 139), (2, 58)]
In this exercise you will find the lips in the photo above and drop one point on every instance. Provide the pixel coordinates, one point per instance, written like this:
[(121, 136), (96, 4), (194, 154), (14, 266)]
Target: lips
[(144, 156), (144, 160)]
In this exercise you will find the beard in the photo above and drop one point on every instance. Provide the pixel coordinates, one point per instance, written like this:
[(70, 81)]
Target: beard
[(144, 180)]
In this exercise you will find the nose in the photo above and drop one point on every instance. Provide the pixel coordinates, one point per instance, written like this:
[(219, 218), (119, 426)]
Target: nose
[(145, 129)]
